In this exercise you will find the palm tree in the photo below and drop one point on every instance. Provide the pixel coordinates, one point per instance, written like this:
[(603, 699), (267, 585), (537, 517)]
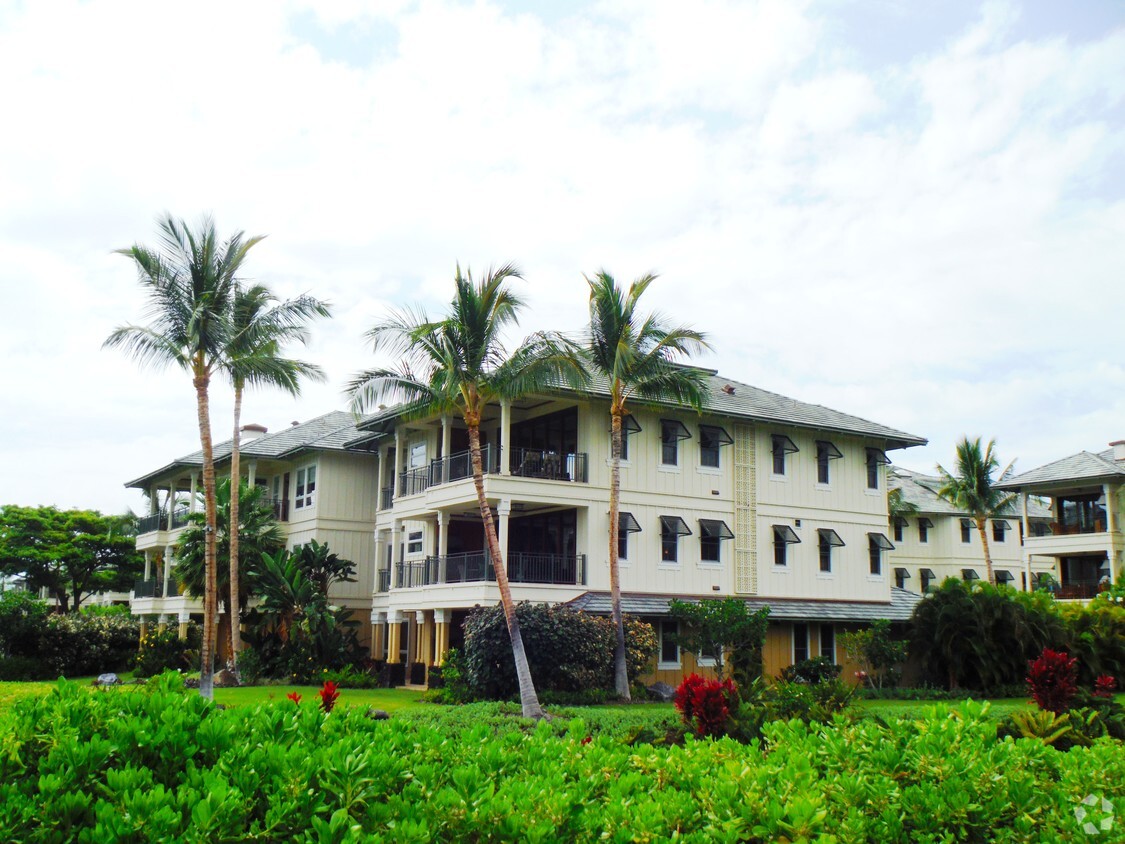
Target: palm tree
[(190, 279), (459, 364), (635, 354), (973, 489), (260, 328)]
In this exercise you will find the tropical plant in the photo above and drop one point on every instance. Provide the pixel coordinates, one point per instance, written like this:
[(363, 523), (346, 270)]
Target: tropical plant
[(459, 365), (721, 627), (190, 280), (1052, 680), (877, 652), (636, 355), (261, 327), (972, 489), (706, 705)]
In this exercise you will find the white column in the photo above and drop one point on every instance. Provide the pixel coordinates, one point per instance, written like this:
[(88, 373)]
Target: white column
[(506, 451), (154, 500), (194, 492), (1023, 549), (398, 460), (1110, 500), (378, 479), (504, 510), (167, 566), (446, 439), (252, 473), (396, 545), (148, 564), (171, 503), (443, 543)]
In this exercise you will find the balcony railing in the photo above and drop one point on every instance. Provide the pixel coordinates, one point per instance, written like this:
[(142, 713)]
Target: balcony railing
[(451, 468), (383, 580), (159, 520), (279, 506), (548, 465), (1073, 589), (1060, 529), (386, 497), (155, 588), (476, 567)]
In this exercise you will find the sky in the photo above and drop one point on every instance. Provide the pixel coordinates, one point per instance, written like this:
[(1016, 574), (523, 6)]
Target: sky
[(911, 212)]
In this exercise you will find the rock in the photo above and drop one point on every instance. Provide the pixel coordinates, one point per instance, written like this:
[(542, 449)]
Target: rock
[(377, 714), (662, 692), (191, 682), (226, 679), (107, 680)]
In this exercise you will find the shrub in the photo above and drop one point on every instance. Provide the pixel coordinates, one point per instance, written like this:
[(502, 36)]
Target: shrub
[(877, 652), (705, 705), (567, 650), (351, 677), (820, 669), (1052, 680), (162, 650), (23, 618)]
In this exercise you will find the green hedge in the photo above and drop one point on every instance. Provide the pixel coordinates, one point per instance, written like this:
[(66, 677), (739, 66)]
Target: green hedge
[(159, 764)]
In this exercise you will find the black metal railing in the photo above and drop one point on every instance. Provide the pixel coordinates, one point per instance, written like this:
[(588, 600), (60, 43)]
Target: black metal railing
[(415, 573), (386, 497), (559, 569), (159, 520), (470, 567), (383, 580), (1073, 589), (155, 588), (548, 465), (476, 567), (445, 470), (279, 506)]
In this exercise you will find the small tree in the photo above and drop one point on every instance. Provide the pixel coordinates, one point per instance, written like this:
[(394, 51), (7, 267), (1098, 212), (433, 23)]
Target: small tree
[(720, 626), (876, 652)]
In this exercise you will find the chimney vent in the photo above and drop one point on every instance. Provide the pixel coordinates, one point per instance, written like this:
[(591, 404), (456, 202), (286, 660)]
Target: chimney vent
[(728, 389), (252, 431), (1118, 449), (294, 423)]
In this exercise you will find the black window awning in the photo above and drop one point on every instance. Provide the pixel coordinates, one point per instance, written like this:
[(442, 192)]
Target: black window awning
[(714, 529), (924, 522), (783, 443), (966, 523), (830, 449), (903, 573), (1004, 576), (830, 537), (627, 524), (877, 540), (674, 525), (1000, 524), (714, 435), (969, 574), (629, 425), (877, 455), (901, 521), (786, 534), (672, 429), (928, 574)]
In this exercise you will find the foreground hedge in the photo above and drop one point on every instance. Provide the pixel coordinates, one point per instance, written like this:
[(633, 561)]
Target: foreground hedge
[(159, 764)]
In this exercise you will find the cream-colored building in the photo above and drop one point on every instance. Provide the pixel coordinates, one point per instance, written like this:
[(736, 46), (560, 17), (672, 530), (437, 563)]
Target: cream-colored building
[(319, 490), (760, 496), (1084, 538), (940, 541)]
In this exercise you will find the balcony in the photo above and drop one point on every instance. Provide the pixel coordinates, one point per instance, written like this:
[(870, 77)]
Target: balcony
[(279, 507), (155, 588), (543, 464), (548, 465), (476, 567), (1076, 590), (383, 580), (159, 520), (386, 497)]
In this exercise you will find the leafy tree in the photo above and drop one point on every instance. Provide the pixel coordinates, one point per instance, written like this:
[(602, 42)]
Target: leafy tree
[(459, 365), (190, 280), (260, 533), (898, 508), (877, 652), (716, 627), (973, 488), (635, 354), (73, 553), (261, 326)]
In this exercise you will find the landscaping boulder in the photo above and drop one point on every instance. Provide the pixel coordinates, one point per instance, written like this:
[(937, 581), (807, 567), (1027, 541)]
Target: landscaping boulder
[(662, 692), (107, 680), (377, 714), (226, 678)]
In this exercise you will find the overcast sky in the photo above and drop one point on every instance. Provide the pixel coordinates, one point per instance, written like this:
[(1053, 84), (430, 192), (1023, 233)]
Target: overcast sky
[(912, 212)]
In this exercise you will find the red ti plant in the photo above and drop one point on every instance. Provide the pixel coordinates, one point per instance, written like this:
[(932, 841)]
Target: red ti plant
[(1052, 680), (1104, 686), (328, 694), (706, 704), (295, 697)]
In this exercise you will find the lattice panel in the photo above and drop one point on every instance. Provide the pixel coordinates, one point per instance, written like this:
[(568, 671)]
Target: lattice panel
[(745, 510)]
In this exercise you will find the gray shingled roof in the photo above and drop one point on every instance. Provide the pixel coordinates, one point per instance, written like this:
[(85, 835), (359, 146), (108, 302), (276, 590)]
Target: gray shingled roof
[(921, 491), (1083, 467), (330, 432), (752, 403), (900, 607)]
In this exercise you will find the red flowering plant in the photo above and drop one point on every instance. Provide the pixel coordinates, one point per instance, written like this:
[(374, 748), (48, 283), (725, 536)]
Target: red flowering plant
[(706, 705), (1053, 680), (1104, 686), (295, 697), (328, 694)]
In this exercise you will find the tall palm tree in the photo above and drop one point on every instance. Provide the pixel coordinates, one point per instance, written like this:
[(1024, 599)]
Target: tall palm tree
[(973, 488), (459, 365), (636, 354), (260, 328), (190, 279)]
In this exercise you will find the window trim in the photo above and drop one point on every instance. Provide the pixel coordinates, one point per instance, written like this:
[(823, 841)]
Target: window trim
[(415, 538), (662, 664), (304, 490)]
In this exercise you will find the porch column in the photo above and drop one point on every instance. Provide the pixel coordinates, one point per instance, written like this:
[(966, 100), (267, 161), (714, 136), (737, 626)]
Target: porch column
[(425, 651), (148, 564), (194, 492), (378, 479), (1109, 494), (397, 550), (446, 439), (398, 461), (168, 550), (144, 626), (162, 622), (184, 619), (171, 503), (251, 473), (378, 620), (441, 635), (153, 500), (1023, 545), (443, 543), (394, 635), (504, 509), (505, 437)]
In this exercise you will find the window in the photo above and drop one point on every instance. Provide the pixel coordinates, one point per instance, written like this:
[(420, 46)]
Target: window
[(669, 647), (901, 576), (671, 432), (828, 642), (712, 532), (783, 537), (875, 459), (417, 455), (414, 542), (1004, 576), (671, 529), (825, 452), (924, 526), (782, 446), (876, 545), (966, 531), (626, 525), (306, 487), (827, 540), (1081, 513), (900, 525), (629, 426), (999, 530), (800, 643), (969, 575), (927, 577), (711, 439)]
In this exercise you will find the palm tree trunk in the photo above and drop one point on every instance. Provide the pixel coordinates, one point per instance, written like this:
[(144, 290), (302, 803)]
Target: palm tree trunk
[(234, 605), (620, 669), (987, 554), (210, 586), (529, 700)]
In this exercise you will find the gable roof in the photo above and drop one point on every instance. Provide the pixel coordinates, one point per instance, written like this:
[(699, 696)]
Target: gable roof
[(330, 432), (1083, 467), (725, 397), (922, 491)]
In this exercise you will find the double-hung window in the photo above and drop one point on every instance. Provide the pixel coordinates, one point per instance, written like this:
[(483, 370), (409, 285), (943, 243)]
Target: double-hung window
[(711, 439), (924, 526), (669, 645), (876, 545), (875, 459), (827, 540), (999, 530), (900, 526), (712, 532), (901, 576), (825, 453), (800, 643), (626, 525), (671, 432), (783, 537), (629, 426), (781, 445), (671, 529), (966, 531), (414, 542), (828, 642), (306, 487)]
